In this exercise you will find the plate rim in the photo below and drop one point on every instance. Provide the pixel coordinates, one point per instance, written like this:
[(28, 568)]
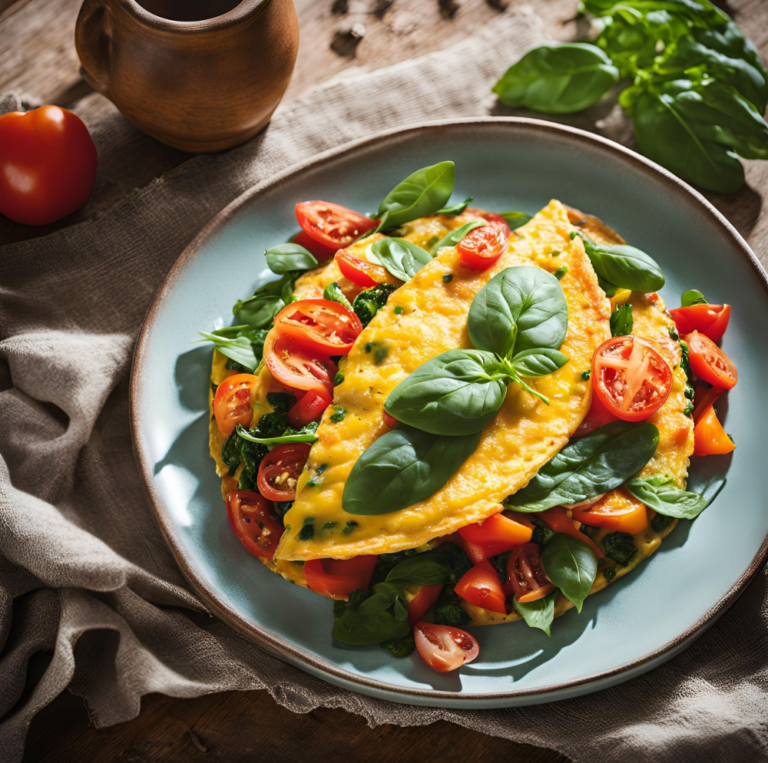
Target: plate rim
[(323, 668)]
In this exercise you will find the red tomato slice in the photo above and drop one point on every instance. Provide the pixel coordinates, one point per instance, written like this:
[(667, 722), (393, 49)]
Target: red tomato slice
[(280, 469), (331, 224), (444, 648), (320, 251), (309, 408), (709, 362), (480, 248), (618, 510), (232, 403), (390, 421), (477, 553), (319, 326), (559, 522), (526, 579), (481, 586), (710, 320), (497, 529), (337, 578), (295, 368), (498, 221), (250, 516), (362, 272), (704, 398), (631, 379), (709, 437), (597, 416), (422, 602)]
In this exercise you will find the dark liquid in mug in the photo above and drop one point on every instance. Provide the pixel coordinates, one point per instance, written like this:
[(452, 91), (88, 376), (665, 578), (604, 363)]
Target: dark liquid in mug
[(188, 10)]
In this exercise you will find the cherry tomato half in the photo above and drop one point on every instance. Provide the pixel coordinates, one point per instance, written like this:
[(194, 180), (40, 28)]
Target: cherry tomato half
[(559, 522), (250, 516), (280, 469), (526, 579), (444, 648), (337, 578), (319, 326), (309, 408), (331, 224), (710, 320), (498, 221), (361, 272), (232, 403), (704, 398), (630, 377), (297, 369), (47, 164), (709, 362), (483, 246), (481, 586), (709, 437), (422, 602), (497, 529), (618, 510), (320, 252)]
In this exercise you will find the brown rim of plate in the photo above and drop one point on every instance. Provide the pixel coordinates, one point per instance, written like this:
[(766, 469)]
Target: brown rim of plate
[(300, 657)]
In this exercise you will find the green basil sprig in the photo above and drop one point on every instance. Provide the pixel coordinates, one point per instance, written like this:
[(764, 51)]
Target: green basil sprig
[(660, 494), (305, 436), (284, 258), (515, 220), (455, 209), (400, 257), (589, 466), (571, 565), (403, 467), (239, 348), (692, 297), (334, 293), (539, 613), (453, 237), (622, 321)]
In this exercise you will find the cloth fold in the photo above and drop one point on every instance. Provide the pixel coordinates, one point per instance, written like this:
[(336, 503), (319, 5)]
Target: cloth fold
[(84, 571)]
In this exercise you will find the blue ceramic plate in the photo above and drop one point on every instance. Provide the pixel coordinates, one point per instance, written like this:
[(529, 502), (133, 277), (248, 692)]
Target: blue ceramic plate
[(521, 164)]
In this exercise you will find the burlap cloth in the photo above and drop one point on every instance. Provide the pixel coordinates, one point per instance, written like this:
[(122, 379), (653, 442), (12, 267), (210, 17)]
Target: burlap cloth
[(79, 547)]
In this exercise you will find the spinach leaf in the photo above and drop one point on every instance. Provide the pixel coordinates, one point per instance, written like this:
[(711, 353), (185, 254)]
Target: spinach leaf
[(367, 303), (660, 494), (451, 394), (259, 310), (239, 348), (624, 266), (403, 467), (400, 257), (515, 220), (453, 237), (370, 618), (588, 466), (307, 436), (284, 258), (571, 565), (692, 297), (428, 568), (455, 209), (334, 293), (520, 308), (620, 547), (400, 647), (539, 362), (558, 79), (622, 321), (420, 194), (539, 613)]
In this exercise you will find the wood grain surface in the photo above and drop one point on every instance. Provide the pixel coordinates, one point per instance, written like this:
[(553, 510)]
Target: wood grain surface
[(39, 59)]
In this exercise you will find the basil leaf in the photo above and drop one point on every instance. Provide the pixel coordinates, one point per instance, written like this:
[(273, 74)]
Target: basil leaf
[(400, 257), (423, 569), (515, 220), (661, 495), (558, 79), (334, 293), (539, 362), (258, 311), (401, 468), (370, 619), (239, 348), (701, 11), (521, 308), (456, 209), (622, 321), (692, 297), (624, 266), (539, 613), (588, 466), (420, 194), (286, 257), (278, 440), (451, 394), (571, 565), (453, 238)]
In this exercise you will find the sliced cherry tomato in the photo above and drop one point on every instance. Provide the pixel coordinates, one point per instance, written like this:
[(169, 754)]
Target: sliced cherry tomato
[(559, 522), (337, 578), (390, 421), (319, 326), (444, 648), (481, 586), (297, 369), (362, 272), (710, 320), (422, 602), (498, 221), (482, 247), (631, 379), (250, 516), (232, 403), (477, 553), (709, 362), (280, 469), (597, 416), (310, 408), (526, 579), (618, 510), (705, 397), (320, 251), (709, 437), (331, 224), (497, 529)]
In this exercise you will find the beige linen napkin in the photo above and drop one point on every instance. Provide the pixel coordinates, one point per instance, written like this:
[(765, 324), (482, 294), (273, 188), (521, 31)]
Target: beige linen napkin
[(84, 571)]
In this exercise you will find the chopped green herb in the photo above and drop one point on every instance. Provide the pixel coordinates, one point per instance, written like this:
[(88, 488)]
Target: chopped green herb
[(574, 233), (620, 547), (214, 387), (660, 523), (673, 333), (350, 527), (451, 614), (308, 529), (432, 241), (560, 272), (338, 379), (400, 647), (368, 347), (555, 253), (586, 374), (280, 401), (398, 310), (380, 354), (339, 415), (609, 573), (447, 277), (329, 525)]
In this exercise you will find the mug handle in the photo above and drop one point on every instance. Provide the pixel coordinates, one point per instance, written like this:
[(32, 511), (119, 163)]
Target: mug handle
[(93, 42)]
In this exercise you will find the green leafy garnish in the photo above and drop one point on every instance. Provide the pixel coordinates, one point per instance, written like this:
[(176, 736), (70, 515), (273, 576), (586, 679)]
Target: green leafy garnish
[(660, 494), (515, 220), (539, 613), (692, 297), (400, 257), (285, 258), (455, 209), (455, 236), (571, 565), (334, 293), (622, 321)]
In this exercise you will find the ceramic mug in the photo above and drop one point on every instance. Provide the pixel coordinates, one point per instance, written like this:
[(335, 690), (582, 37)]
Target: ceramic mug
[(198, 75)]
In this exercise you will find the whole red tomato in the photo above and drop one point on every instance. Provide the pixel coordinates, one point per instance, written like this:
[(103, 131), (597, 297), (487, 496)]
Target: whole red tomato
[(47, 164)]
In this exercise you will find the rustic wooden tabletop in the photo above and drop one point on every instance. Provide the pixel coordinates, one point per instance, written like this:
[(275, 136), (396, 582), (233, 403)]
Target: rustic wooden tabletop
[(39, 59)]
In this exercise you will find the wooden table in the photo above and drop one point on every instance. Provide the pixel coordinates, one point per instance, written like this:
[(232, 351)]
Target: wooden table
[(38, 58)]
